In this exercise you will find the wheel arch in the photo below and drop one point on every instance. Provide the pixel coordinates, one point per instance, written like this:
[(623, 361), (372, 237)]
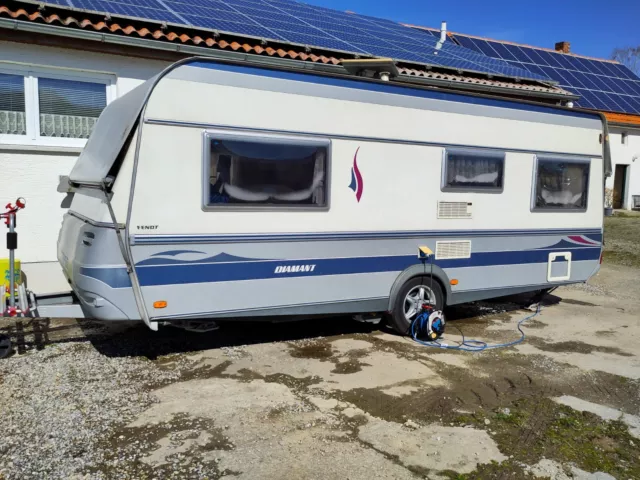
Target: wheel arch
[(419, 271)]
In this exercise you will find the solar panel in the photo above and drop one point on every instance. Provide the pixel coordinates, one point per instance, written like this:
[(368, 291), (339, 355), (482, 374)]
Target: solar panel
[(289, 21), (601, 84)]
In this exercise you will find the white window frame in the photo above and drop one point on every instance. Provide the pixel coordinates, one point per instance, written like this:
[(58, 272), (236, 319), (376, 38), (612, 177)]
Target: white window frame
[(32, 104)]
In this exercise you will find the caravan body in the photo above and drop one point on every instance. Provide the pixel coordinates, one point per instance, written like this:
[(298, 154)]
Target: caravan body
[(235, 191)]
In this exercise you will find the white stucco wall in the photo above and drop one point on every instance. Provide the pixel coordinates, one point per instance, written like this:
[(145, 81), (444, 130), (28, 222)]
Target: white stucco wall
[(32, 172), (624, 154)]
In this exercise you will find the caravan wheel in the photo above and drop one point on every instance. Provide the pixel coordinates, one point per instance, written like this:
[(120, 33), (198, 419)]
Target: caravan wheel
[(410, 299)]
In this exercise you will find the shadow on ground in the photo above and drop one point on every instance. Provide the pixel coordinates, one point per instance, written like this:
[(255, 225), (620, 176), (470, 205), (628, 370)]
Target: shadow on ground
[(125, 339)]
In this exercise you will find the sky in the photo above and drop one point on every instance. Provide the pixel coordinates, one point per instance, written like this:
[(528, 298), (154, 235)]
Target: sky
[(593, 27)]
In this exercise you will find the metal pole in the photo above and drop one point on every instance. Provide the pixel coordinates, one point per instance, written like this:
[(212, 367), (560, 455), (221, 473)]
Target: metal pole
[(12, 286)]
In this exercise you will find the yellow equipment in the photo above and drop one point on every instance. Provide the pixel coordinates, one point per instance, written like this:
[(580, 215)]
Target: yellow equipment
[(4, 274)]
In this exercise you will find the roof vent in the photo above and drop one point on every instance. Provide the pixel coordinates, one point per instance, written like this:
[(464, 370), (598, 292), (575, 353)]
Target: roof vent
[(443, 36), (563, 47)]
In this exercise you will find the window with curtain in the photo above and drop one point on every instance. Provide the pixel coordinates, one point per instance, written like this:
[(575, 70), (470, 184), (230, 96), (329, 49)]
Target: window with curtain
[(266, 173), (469, 170), (69, 108), (12, 105), (561, 184)]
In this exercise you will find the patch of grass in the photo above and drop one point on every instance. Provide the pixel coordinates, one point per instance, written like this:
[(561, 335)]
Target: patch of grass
[(539, 428), (627, 214), (490, 471), (622, 240)]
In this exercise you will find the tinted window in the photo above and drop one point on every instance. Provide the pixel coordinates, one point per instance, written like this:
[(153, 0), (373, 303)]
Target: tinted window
[(473, 170), (246, 172), (561, 184)]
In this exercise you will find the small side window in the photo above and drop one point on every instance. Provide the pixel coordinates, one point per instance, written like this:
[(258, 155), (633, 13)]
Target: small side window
[(246, 171), (473, 170), (561, 184)]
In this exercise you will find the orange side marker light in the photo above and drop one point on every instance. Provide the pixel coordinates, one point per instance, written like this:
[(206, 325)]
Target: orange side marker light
[(160, 304), (454, 281)]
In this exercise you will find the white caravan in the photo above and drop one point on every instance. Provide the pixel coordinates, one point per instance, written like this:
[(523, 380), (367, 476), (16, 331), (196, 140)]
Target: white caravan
[(223, 190)]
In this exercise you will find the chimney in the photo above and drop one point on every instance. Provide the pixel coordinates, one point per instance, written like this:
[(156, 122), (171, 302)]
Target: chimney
[(563, 47)]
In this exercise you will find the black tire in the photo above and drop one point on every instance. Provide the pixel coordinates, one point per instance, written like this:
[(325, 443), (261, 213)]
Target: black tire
[(5, 346), (398, 320)]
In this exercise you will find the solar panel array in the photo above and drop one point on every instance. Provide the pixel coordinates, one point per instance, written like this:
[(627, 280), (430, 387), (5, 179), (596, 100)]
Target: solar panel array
[(602, 85), (294, 22)]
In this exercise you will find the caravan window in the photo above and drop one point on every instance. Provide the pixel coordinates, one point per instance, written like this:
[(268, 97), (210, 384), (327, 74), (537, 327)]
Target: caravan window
[(473, 170), (266, 172), (561, 184)]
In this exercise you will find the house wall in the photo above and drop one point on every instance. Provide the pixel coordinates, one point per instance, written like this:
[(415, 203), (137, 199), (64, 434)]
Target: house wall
[(626, 154), (33, 172)]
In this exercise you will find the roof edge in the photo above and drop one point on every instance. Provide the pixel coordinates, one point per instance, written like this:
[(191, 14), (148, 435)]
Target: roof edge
[(622, 119), (168, 31), (220, 48)]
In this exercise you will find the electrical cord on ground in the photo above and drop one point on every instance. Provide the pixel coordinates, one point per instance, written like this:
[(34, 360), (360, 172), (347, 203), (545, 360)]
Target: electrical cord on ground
[(471, 345), (467, 345)]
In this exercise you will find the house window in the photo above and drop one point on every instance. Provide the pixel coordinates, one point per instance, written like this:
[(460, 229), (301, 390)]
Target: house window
[(473, 170), (49, 107), (561, 184), (246, 171), (624, 138), (12, 105), (69, 108)]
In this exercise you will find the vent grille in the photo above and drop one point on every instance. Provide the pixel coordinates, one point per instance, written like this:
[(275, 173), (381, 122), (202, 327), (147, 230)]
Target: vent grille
[(453, 249), (455, 209)]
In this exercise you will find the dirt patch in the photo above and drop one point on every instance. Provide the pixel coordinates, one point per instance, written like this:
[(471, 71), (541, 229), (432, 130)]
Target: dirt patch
[(317, 350), (577, 347), (348, 367), (509, 377), (507, 470), (177, 446), (442, 404)]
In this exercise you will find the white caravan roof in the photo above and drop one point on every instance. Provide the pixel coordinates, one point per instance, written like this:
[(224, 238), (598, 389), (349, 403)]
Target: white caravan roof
[(119, 118)]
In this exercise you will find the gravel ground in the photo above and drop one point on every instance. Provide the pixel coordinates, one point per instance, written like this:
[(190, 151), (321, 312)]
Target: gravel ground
[(331, 399), (60, 403)]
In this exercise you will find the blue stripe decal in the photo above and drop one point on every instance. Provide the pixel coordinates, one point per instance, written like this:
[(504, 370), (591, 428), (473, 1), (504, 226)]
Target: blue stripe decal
[(257, 270), (115, 277), (564, 245), (385, 88), (220, 258), (594, 234)]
